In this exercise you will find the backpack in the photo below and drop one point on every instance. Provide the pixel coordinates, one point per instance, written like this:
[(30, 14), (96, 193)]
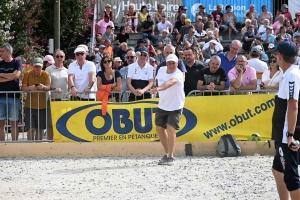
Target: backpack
[(228, 146)]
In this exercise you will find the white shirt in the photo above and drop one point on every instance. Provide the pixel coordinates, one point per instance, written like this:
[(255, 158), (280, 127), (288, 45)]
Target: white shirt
[(258, 65), (135, 72), (289, 89), (163, 26), (218, 46), (81, 78), (172, 98), (59, 79), (274, 81)]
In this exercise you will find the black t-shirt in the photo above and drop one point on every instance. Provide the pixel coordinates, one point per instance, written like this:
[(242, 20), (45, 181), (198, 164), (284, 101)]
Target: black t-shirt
[(192, 76), (178, 25), (6, 68), (147, 25), (208, 77), (122, 54), (122, 38)]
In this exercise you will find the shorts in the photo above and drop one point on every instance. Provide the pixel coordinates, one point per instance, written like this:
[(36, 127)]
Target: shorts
[(9, 108), (164, 118), (36, 119), (286, 162), (223, 26)]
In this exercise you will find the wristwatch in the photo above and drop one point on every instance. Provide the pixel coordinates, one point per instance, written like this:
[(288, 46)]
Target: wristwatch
[(289, 134)]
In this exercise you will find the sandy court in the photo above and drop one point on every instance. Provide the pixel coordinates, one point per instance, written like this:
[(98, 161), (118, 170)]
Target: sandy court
[(198, 178)]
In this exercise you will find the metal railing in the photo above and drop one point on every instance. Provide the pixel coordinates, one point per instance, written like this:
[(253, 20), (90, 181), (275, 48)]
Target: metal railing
[(227, 92)]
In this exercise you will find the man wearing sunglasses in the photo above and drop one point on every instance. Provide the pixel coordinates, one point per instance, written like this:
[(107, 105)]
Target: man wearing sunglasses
[(140, 78), (82, 76)]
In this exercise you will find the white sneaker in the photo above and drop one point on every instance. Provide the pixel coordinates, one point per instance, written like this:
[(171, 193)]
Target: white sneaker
[(221, 38)]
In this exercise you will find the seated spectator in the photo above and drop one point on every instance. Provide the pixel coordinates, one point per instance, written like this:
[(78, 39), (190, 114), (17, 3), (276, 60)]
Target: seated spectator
[(178, 24), (102, 24), (98, 39), (147, 28), (285, 12), (189, 39), (258, 42), (122, 51), (276, 26), (117, 63), (218, 46), (264, 57), (159, 14), (268, 38), (242, 77), (210, 19), (214, 29), (184, 30), (108, 13), (271, 50), (180, 55), (245, 28), (131, 19), (140, 46), (295, 33), (108, 48), (199, 21), (251, 10), (218, 17), (163, 39), (143, 14), (253, 22), (229, 20), (152, 62), (271, 77), (201, 35), (212, 77), (248, 38), (164, 25), (178, 48), (255, 62), (297, 20), (108, 35), (288, 27), (284, 35), (122, 36), (178, 14), (202, 13), (262, 29), (150, 48), (211, 50), (297, 41), (265, 14)]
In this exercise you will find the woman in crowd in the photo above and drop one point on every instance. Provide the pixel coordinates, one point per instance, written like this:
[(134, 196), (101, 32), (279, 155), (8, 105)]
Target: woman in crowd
[(296, 20), (47, 61), (253, 21), (265, 14), (214, 29), (278, 24), (107, 12), (271, 77), (288, 27), (229, 20), (159, 13), (284, 35), (131, 19), (178, 14), (143, 14)]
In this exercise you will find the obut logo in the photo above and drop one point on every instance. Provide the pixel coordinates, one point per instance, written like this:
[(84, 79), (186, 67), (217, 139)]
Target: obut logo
[(195, 9), (121, 121)]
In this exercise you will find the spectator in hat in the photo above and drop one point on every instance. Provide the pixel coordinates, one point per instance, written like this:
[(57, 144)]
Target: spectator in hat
[(271, 50), (265, 14), (211, 50), (255, 61), (285, 12), (210, 19), (184, 30), (164, 24), (117, 63), (258, 42), (147, 28), (163, 39), (47, 61), (131, 19), (181, 11), (108, 13), (102, 24), (271, 77), (140, 46), (264, 57), (268, 37), (202, 13)]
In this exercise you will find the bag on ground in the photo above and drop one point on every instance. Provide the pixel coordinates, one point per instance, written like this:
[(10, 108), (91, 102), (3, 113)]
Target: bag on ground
[(228, 146)]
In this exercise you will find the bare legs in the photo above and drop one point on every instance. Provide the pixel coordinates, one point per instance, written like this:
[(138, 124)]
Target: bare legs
[(167, 138)]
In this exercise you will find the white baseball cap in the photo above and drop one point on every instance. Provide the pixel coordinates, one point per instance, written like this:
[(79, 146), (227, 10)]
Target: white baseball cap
[(172, 57)]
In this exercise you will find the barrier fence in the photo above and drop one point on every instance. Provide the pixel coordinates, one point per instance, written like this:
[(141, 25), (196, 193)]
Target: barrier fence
[(35, 116)]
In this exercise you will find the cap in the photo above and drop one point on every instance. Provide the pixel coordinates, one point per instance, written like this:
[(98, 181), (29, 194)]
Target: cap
[(109, 26), (166, 31), (49, 59), (271, 46), (172, 57), (79, 49), (287, 48), (84, 46), (214, 41), (184, 8), (117, 59), (255, 50), (144, 51), (199, 17), (101, 46), (187, 20), (264, 57), (201, 6), (209, 16), (259, 38), (38, 62), (269, 27), (284, 6), (207, 61)]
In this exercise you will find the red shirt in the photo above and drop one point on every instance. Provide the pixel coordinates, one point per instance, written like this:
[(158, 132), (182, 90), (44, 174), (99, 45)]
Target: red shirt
[(217, 16)]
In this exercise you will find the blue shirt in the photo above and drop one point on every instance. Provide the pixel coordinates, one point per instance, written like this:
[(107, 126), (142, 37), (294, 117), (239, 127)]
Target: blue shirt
[(271, 38), (181, 66), (294, 35), (105, 81), (227, 65)]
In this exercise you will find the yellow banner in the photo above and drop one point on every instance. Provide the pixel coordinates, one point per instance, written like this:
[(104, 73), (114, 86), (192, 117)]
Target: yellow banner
[(204, 119)]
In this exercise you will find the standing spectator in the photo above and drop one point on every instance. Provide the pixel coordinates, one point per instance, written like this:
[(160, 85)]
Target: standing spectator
[(35, 104), (271, 77), (147, 28), (102, 24), (265, 14), (159, 14), (202, 13), (122, 51), (229, 20), (131, 19), (228, 59), (10, 70), (108, 13), (268, 38), (82, 76), (193, 68), (255, 62), (59, 83), (189, 39), (278, 24), (164, 25), (129, 58), (248, 38), (47, 61), (140, 78), (170, 106), (242, 76), (251, 10), (163, 39), (143, 14), (209, 52), (285, 124), (212, 77)]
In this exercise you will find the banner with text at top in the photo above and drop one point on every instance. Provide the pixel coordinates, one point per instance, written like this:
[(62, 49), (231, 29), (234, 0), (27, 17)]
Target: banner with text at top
[(204, 119), (238, 7)]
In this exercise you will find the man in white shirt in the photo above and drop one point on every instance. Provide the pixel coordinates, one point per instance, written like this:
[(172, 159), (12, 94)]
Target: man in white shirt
[(81, 77), (164, 25), (170, 88), (255, 62)]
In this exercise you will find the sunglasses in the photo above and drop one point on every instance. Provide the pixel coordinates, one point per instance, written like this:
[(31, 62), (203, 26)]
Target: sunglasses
[(273, 61), (298, 15), (144, 54), (59, 56), (79, 54), (107, 61), (130, 57)]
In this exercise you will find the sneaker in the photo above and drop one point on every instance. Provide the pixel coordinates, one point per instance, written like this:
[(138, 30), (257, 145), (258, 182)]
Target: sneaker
[(170, 161), (163, 160), (220, 37)]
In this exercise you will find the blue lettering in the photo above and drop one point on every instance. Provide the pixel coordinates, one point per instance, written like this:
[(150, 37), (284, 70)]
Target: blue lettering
[(121, 116), (138, 120), (90, 126)]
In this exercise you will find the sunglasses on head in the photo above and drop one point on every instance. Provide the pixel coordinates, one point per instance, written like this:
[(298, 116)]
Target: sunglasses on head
[(273, 61), (59, 56), (79, 54), (130, 57), (107, 61), (144, 54)]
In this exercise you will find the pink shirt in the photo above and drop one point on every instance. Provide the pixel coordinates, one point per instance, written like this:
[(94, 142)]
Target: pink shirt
[(102, 26), (248, 76), (276, 27)]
